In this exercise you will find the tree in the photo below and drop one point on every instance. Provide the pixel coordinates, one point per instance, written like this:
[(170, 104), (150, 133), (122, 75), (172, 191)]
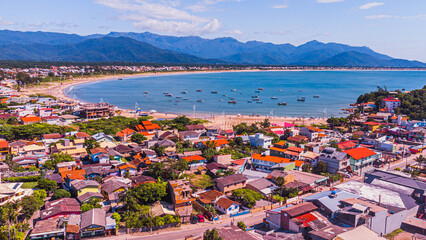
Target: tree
[(117, 219), (61, 193), (242, 225), (40, 195), (181, 165), (420, 160), (46, 184), (307, 167), (57, 158), (247, 197), (239, 141), (144, 194), (160, 150), (90, 144), (138, 138), (265, 123), (212, 235), (280, 181), (91, 204), (29, 206), (321, 167)]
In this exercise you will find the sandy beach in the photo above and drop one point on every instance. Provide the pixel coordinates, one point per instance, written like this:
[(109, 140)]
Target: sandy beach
[(222, 121)]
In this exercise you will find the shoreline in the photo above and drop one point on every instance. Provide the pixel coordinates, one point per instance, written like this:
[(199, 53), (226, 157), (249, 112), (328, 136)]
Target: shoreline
[(58, 89)]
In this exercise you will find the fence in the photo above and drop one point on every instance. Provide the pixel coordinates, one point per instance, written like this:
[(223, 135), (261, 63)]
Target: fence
[(154, 228), (240, 213)]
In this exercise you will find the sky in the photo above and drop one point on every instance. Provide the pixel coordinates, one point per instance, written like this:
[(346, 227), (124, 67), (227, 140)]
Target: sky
[(393, 27)]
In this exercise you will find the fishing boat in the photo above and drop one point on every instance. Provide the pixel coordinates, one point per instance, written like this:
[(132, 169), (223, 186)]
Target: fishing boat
[(257, 91), (200, 100), (165, 93), (255, 96), (169, 95), (282, 104), (146, 92), (233, 90), (259, 102), (231, 98), (316, 96), (220, 100), (185, 99), (261, 88), (198, 90), (178, 97), (274, 98), (233, 101), (214, 92), (224, 95), (120, 79), (301, 99), (281, 90), (255, 99), (184, 92), (300, 90)]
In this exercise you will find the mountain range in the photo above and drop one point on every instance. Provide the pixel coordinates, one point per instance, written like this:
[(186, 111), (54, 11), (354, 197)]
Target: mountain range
[(153, 48)]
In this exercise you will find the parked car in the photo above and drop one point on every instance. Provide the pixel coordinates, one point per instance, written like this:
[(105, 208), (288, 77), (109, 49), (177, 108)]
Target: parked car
[(201, 218), (194, 219)]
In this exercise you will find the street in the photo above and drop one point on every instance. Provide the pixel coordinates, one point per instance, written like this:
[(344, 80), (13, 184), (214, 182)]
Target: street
[(191, 229)]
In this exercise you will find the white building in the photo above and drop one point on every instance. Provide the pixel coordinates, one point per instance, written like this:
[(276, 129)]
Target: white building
[(260, 140)]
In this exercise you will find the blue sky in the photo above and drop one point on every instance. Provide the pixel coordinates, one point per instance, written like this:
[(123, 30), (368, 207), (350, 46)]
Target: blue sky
[(393, 27)]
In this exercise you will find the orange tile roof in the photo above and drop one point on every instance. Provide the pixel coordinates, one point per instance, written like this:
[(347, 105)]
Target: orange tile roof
[(295, 149), (359, 153), (268, 158), (239, 162), (146, 133), (218, 142), (278, 149), (125, 132), (152, 127), (313, 129), (372, 123), (145, 123), (125, 166), (4, 144), (74, 174), (322, 135), (30, 119), (97, 150), (299, 163), (346, 145), (280, 143), (194, 158), (292, 153)]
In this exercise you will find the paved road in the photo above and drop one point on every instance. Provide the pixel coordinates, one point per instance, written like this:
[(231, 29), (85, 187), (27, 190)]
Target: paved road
[(191, 229)]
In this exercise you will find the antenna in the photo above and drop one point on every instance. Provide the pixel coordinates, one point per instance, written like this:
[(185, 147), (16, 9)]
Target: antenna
[(101, 100)]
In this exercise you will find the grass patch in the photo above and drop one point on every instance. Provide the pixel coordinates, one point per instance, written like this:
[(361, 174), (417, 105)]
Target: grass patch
[(201, 181), (29, 185), (394, 233)]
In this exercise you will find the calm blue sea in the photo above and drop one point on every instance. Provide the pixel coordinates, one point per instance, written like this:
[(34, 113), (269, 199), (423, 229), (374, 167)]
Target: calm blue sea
[(336, 90)]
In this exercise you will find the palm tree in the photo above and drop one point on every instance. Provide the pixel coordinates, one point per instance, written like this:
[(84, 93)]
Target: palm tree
[(420, 160), (212, 210)]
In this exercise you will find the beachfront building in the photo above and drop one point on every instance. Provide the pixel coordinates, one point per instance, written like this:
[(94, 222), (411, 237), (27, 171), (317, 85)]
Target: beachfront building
[(391, 103), (260, 140), (362, 158), (97, 110), (312, 133)]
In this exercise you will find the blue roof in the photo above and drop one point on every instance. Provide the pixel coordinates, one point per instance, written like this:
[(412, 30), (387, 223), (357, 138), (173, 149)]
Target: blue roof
[(329, 202)]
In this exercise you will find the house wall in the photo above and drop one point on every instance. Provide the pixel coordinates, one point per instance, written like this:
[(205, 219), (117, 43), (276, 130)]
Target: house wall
[(394, 221), (87, 189), (230, 188)]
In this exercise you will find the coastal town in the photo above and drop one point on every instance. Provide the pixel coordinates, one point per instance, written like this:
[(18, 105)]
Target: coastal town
[(74, 170)]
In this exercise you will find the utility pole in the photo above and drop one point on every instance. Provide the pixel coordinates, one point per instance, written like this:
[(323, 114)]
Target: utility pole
[(150, 217)]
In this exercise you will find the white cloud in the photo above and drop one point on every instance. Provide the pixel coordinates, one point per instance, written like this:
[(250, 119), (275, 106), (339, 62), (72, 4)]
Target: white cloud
[(416, 17), (371, 5), (378, 16), (329, 1), (161, 16), (280, 6), (6, 22), (234, 32), (202, 6)]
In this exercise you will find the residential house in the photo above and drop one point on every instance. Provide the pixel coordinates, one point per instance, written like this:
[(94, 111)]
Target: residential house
[(209, 197), (34, 149), (362, 158), (181, 195), (391, 103), (85, 197), (30, 120), (4, 148), (310, 132), (112, 190), (196, 128), (169, 146), (17, 147), (294, 153), (226, 206), (93, 172), (195, 161), (215, 168), (63, 207), (73, 175), (125, 134), (142, 179), (361, 232), (80, 187), (127, 167), (27, 161), (297, 139), (45, 112), (224, 159), (218, 144), (346, 145), (102, 137), (336, 161), (48, 229), (266, 163), (228, 184), (66, 166), (291, 217), (93, 223), (11, 192), (189, 135), (372, 126), (96, 154), (263, 186), (51, 138), (260, 140)]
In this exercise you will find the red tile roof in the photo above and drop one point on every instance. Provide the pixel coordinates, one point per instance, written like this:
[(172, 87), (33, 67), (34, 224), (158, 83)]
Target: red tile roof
[(30, 119), (295, 149), (268, 158), (218, 142), (125, 132), (372, 123), (360, 153), (4, 144), (346, 145), (194, 158)]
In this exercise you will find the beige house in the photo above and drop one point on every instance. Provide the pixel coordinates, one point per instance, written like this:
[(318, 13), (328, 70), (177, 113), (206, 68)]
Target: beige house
[(230, 183)]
